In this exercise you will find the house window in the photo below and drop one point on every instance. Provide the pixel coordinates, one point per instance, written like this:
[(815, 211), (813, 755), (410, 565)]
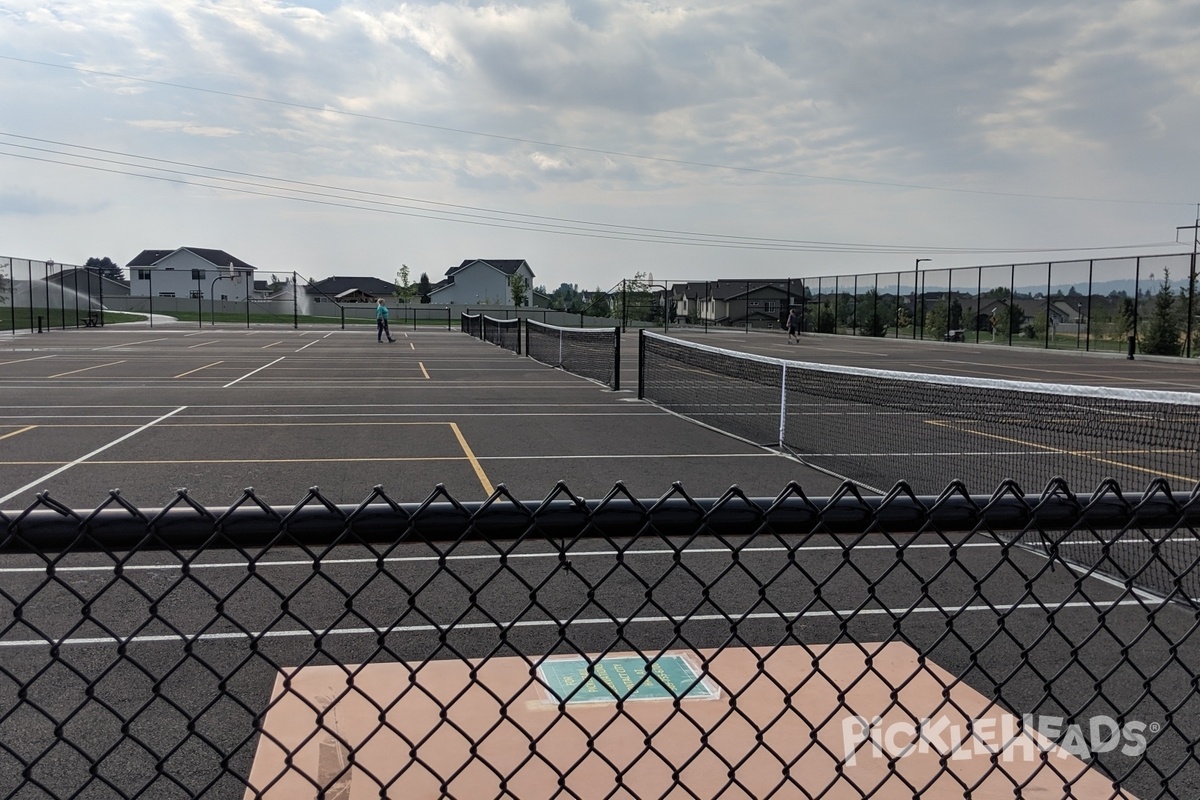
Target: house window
[(198, 275), (143, 274), (772, 306), (166, 294), (195, 294), (224, 297)]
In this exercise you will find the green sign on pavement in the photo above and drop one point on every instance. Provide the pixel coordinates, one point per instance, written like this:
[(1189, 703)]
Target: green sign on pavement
[(623, 677)]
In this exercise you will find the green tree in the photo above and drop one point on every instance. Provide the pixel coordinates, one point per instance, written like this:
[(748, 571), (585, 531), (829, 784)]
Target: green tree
[(1163, 332), (598, 307), (826, 320), (107, 267), (943, 317), (873, 314), (635, 300), (518, 287), (424, 287), (405, 289)]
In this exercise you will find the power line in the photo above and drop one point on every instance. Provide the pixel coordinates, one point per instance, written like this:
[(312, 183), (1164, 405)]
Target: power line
[(325, 109), (347, 198)]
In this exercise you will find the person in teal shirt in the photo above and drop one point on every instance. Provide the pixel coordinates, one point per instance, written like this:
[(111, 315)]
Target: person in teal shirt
[(381, 325)]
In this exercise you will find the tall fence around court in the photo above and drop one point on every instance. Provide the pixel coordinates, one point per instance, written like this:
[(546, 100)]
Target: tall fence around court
[(1095, 304), (845, 646)]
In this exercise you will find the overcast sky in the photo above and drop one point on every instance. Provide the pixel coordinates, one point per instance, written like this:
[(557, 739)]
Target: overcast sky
[(599, 138)]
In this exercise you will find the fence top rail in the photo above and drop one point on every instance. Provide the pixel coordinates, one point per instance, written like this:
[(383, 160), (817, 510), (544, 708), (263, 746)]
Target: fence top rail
[(49, 527), (952, 381)]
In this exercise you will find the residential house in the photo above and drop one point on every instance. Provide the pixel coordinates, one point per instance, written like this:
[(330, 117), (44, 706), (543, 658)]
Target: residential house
[(757, 303), (344, 290), (483, 282), (190, 272)]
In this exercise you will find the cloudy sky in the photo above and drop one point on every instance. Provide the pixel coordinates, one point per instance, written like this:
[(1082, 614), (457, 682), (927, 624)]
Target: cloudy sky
[(599, 138)]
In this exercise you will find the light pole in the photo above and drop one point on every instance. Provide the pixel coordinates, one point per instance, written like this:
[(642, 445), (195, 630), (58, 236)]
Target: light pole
[(916, 280)]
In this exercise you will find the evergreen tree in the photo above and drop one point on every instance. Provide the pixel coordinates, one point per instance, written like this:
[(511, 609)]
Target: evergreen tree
[(1163, 331), (424, 287)]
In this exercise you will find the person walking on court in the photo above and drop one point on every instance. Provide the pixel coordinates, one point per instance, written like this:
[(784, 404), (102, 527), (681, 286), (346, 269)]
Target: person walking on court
[(793, 327), (381, 322)]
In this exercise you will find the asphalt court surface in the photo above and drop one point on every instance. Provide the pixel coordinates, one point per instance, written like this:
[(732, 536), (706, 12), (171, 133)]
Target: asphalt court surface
[(219, 409)]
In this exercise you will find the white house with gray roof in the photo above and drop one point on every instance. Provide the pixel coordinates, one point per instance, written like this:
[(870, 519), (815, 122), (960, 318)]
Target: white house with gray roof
[(483, 282), (190, 272)]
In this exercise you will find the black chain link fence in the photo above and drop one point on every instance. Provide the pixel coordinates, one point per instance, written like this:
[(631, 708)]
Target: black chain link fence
[(848, 646)]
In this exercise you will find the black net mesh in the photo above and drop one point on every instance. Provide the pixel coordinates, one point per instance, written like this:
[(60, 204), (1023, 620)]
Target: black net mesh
[(593, 353), (504, 333), (877, 427)]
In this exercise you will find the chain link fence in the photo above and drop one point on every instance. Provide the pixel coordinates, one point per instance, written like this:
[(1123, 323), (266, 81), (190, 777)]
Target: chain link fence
[(848, 646)]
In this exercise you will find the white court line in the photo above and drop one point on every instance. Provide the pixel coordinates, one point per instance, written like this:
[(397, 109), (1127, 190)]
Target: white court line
[(20, 360), (557, 623), (554, 554), (130, 344), (81, 459), (248, 374), (310, 344)]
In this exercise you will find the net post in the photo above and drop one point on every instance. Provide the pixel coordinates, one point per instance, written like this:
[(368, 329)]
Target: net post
[(641, 364), (782, 404), (616, 383)]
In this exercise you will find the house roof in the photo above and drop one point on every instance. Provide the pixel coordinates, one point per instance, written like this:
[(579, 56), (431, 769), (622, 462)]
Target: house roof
[(218, 258), (338, 285), (507, 266)]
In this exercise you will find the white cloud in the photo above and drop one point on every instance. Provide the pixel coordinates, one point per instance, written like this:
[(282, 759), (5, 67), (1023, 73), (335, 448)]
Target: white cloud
[(1029, 98)]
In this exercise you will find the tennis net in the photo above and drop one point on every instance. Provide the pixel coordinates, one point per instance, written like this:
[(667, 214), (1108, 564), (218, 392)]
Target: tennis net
[(877, 427), (504, 333), (593, 353), (472, 324)]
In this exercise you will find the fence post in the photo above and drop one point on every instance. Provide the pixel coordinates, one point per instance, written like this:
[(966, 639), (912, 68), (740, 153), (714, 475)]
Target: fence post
[(616, 358), (641, 364), (295, 300), (100, 282)]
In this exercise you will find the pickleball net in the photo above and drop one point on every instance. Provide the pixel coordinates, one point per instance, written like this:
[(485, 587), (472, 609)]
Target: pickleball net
[(593, 353), (504, 333)]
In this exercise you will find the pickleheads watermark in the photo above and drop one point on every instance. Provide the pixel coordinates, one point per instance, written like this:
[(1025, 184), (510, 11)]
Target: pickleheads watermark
[(1004, 737)]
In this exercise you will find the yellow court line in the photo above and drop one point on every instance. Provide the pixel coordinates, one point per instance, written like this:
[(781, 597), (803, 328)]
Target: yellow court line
[(423, 370), (1080, 453), (197, 369), (479, 473), (17, 433), (85, 369), (19, 360)]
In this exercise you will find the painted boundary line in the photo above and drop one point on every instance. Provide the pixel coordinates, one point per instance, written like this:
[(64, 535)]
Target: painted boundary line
[(81, 459), (490, 556), (248, 374)]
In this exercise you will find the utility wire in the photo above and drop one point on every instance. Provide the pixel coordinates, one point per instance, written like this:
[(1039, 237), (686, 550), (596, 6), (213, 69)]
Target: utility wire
[(326, 109), (343, 197)]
